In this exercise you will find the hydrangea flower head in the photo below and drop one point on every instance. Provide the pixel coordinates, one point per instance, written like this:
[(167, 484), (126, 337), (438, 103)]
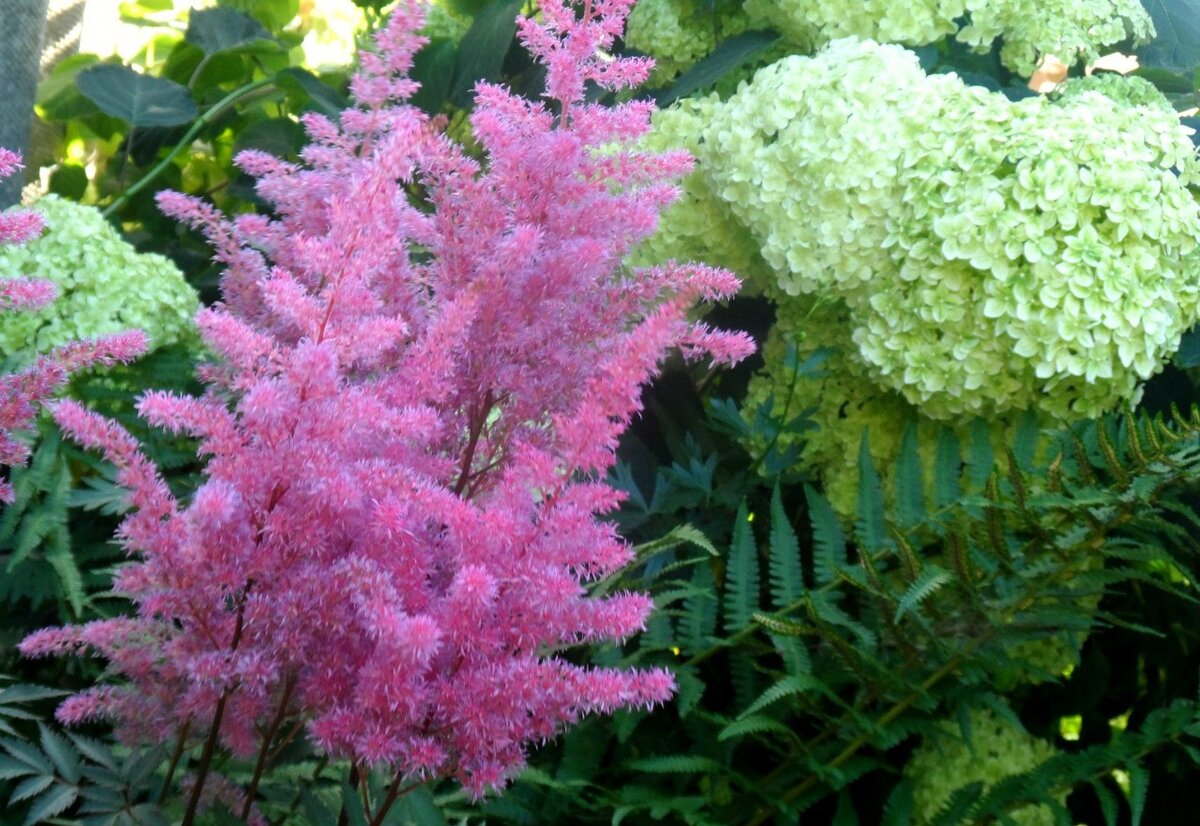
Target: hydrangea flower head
[(22, 392), (104, 285), (990, 256), (1028, 29), (995, 750), (406, 429)]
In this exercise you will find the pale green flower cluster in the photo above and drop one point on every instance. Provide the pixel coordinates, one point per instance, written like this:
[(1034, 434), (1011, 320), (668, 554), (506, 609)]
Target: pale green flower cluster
[(996, 750), (678, 33), (698, 226), (989, 256), (104, 285), (1030, 28)]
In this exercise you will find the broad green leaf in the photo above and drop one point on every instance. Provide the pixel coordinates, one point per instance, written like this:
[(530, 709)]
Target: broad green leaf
[(139, 100), (433, 68), (312, 92), (729, 55), (223, 29), (1177, 46), (281, 137), (482, 50)]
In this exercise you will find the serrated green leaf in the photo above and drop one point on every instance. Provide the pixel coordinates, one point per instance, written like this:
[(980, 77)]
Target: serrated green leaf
[(70, 578), (11, 768), (315, 810), (947, 465), (931, 579), (909, 481), (27, 753), (30, 787), (791, 685), (754, 724), (52, 803), (741, 574), (61, 754), (869, 525), (1139, 785), (677, 764), (787, 578), (829, 541), (898, 811), (139, 100)]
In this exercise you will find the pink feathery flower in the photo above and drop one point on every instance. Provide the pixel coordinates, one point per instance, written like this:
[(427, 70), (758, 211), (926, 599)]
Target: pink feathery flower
[(406, 427), (23, 392)]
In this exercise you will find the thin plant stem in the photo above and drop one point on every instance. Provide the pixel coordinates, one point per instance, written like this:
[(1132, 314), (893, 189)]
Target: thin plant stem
[(214, 731), (265, 751), (199, 125), (175, 757)]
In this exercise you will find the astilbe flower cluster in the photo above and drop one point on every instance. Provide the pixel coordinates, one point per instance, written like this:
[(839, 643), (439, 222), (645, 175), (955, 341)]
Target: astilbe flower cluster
[(22, 392), (405, 429)]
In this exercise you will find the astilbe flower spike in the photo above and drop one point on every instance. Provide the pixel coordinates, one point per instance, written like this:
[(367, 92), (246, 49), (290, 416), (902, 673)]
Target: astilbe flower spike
[(22, 392), (405, 428)]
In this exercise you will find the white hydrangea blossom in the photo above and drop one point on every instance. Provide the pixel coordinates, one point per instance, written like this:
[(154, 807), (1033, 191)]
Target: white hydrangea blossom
[(996, 750), (104, 285), (991, 256), (1030, 28)]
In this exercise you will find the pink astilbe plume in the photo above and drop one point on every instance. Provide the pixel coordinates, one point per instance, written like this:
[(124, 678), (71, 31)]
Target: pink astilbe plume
[(405, 429), (23, 392)]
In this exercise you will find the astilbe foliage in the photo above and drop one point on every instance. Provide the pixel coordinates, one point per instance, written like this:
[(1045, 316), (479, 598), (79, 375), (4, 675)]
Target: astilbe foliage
[(23, 391), (405, 428)]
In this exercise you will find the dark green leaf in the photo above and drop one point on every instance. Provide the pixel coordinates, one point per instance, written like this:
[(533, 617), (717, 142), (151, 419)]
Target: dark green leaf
[(433, 68), (312, 91), (870, 523), (787, 580), (829, 541), (1177, 46), (729, 55), (482, 50), (222, 29), (139, 100), (51, 803), (741, 575), (909, 484), (61, 753)]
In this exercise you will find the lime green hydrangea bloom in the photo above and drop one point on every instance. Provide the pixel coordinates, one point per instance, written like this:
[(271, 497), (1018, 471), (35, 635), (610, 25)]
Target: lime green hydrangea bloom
[(698, 226), (990, 256), (1068, 29), (104, 285), (678, 33), (997, 750)]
